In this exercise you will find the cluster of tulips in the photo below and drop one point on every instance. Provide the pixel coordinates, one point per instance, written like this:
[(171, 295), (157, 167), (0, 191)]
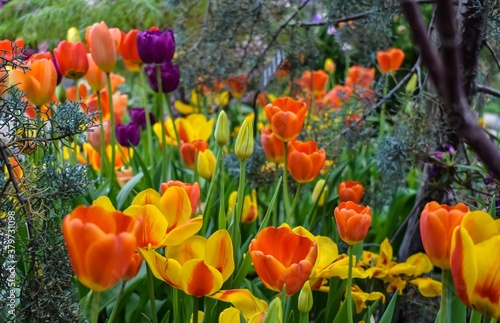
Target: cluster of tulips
[(202, 254)]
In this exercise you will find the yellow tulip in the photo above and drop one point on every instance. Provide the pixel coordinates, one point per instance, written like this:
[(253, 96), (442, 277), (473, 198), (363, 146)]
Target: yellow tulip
[(206, 164)]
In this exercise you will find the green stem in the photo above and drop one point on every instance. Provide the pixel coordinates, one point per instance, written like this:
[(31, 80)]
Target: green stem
[(294, 204), (163, 130), (149, 131), (444, 296), (349, 286), (222, 204), (195, 168), (382, 109), (102, 139), (176, 304), (275, 208), (152, 299), (94, 307), (196, 305), (117, 304), (493, 320), (303, 317), (171, 115), (211, 188), (475, 317), (241, 194), (286, 200), (113, 130)]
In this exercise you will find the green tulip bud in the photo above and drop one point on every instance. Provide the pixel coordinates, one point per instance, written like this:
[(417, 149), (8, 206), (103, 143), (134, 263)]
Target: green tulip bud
[(222, 129), (244, 141)]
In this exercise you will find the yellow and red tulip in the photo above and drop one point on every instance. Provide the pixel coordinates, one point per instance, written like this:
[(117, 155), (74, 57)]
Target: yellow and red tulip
[(192, 190), (250, 208)]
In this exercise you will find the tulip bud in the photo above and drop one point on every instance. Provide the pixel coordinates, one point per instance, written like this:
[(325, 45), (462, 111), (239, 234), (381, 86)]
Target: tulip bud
[(329, 65), (72, 35), (318, 190), (274, 313), (305, 299), (222, 129), (61, 92), (206, 164), (244, 142)]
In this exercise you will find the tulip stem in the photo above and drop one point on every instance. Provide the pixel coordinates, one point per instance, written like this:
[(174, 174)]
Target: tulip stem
[(222, 205), (113, 130), (236, 236), (163, 130), (285, 180), (475, 317), (294, 204), (102, 139), (349, 285), (149, 132), (171, 115), (208, 201), (117, 303), (382, 109), (152, 299), (444, 296), (94, 307), (275, 207), (175, 296), (196, 305)]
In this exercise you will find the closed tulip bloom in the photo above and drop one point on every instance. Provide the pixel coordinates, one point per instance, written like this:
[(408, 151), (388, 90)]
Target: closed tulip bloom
[(338, 96), (314, 82), (474, 263), (437, 223), (170, 77), (286, 117), (237, 85), (329, 65), (353, 221), (360, 76), (100, 245), (243, 147), (272, 145), (305, 160), (206, 164), (11, 49), (102, 47), (197, 266), (283, 257), (192, 190), (155, 46), (128, 135), (95, 76), (350, 191), (390, 60), (129, 52), (222, 129), (188, 151), (319, 188), (250, 207), (38, 82), (138, 116), (71, 59), (73, 35)]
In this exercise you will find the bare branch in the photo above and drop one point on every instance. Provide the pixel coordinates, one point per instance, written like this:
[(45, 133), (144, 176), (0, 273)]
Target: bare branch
[(493, 54), (487, 90)]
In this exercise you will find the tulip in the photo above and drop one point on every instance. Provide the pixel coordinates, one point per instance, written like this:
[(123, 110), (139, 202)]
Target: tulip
[(128, 135), (286, 117), (317, 191), (474, 263), (390, 60), (305, 302), (305, 160), (71, 59), (338, 96), (353, 221), (102, 47), (95, 76), (273, 147), (314, 82), (188, 151), (437, 223), (222, 129), (243, 148), (206, 164), (237, 85), (192, 190), (128, 50), (282, 257), (72, 35), (138, 117), (169, 74), (329, 65), (350, 191), (198, 266), (250, 207), (94, 135), (360, 76), (10, 50), (155, 46), (38, 82), (100, 245), (133, 267), (124, 175)]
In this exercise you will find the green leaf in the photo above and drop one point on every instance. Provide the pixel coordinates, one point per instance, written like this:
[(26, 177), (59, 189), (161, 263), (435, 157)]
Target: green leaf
[(126, 189), (389, 311), (341, 316), (144, 168)]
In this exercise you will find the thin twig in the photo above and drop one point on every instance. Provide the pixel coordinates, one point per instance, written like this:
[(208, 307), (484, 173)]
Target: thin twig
[(493, 54), (487, 90)]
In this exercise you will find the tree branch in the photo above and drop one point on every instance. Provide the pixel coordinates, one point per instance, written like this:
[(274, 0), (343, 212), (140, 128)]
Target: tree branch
[(492, 52), (487, 90)]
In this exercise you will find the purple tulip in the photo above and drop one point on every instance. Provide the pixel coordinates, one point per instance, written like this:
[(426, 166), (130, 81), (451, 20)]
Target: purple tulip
[(138, 117), (169, 77), (155, 46), (128, 134)]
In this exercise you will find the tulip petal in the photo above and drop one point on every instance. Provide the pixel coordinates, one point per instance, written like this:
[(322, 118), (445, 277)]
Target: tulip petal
[(183, 231), (192, 248), (200, 279), (268, 269), (433, 235), (154, 225), (480, 226), (163, 269), (327, 252), (219, 253), (148, 196), (427, 286), (420, 262), (243, 300), (175, 205), (105, 203), (229, 315), (463, 264)]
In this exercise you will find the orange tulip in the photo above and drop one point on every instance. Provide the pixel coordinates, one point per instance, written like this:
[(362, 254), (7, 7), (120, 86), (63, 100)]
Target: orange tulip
[(237, 85), (437, 223), (38, 82), (286, 117), (133, 267), (100, 245), (82, 92), (95, 76), (360, 76), (102, 47), (273, 147), (390, 60), (305, 160), (350, 191), (188, 151), (338, 96), (283, 257), (37, 56), (119, 105), (314, 82), (128, 50), (192, 190), (71, 59), (10, 50), (353, 221)]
